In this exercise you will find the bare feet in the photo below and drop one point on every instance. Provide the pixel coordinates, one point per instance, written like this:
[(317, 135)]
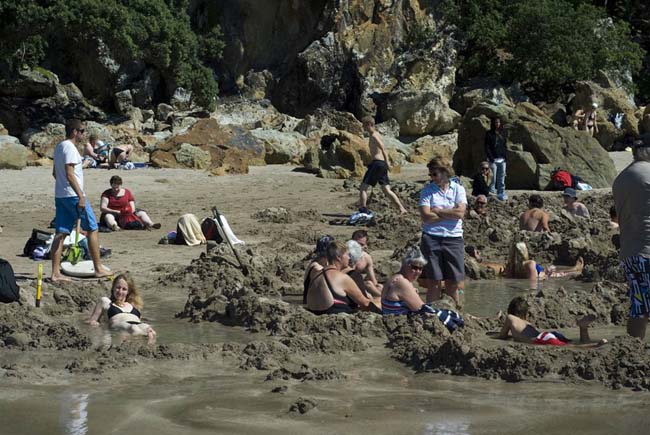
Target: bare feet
[(115, 227), (152, 336), (103, 273), (580, 264), (59, 278), (403, 211)]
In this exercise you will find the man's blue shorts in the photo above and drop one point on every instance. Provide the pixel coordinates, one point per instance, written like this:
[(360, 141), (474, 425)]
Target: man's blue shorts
[(67, 213)]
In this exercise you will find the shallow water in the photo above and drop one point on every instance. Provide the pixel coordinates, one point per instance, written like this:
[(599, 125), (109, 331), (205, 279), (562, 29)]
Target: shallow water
[(380, 395)]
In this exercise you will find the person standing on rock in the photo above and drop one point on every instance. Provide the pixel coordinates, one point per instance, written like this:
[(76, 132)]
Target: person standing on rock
[(70, 200), (442, 207), (495, 151), (631, 190), (377, 170)]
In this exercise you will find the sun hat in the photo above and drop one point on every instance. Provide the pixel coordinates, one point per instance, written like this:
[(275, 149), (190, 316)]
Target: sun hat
[(570, 192)]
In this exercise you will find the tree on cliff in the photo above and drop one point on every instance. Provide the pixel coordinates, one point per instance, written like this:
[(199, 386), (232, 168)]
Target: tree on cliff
[(544, 44), (157, 32)]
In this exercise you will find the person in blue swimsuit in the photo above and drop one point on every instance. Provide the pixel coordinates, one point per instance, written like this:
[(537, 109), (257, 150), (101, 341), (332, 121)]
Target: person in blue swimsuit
[(123, 309)]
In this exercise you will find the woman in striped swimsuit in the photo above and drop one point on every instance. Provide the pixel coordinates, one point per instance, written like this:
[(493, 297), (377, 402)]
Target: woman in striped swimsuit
[(399, 295)]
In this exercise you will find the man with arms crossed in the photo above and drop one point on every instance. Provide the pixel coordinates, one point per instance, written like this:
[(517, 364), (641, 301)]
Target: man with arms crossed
[(377, 169), (442, 207), (631, 190), (70, 200)]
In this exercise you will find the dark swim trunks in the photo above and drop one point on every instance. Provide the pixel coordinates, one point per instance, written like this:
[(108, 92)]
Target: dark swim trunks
[(377, 172)]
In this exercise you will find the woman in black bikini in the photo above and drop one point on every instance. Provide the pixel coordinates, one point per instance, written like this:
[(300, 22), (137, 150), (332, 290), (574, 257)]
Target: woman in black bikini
[(123, 309), (590, 120), (332, 291)]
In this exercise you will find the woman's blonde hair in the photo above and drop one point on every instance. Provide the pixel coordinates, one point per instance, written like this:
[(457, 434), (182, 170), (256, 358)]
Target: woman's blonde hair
[(133, 296)]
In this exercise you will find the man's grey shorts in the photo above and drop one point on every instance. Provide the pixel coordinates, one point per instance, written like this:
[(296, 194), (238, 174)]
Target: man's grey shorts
[(445, 256)]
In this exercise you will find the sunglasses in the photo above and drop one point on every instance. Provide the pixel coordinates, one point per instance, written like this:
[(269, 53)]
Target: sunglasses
[(481, 204), (416, 268), (81, 130), (435, 173), (485, 169)]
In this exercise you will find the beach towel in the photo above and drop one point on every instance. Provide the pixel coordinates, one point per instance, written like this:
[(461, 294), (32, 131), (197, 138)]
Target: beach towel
[(188, 231)]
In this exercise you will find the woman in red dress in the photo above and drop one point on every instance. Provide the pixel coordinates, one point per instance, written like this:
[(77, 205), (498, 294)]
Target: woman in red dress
[(118, 207)]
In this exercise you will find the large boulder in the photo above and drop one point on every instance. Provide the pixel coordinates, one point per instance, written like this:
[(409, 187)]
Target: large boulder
[(249, 114), (31, 83), (231, 149), (323, 121), (611, 100), (13, 155), (427, 147), (343, 155), (535, 146), (419, 112), (281, 147), (42, 141)]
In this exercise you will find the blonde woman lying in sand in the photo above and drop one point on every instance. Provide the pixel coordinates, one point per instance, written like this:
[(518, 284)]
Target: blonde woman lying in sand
[(123, 309), (516, 323)]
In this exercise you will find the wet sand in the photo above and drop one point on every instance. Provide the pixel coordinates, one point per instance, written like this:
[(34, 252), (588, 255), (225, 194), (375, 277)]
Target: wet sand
[(227, 340)]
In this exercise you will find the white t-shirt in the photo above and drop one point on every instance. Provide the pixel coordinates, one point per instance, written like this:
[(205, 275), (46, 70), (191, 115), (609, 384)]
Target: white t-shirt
[(66, 153), (432, 196)]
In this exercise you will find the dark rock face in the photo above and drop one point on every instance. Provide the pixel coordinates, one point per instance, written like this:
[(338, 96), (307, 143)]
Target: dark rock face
[(535, 147), (349, 56)]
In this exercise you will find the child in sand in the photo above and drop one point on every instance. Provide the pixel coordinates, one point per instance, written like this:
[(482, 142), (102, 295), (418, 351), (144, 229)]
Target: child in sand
[(516, 323)]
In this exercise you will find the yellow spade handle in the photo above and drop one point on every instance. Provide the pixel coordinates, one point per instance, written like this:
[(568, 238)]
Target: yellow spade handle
[(39, 285)]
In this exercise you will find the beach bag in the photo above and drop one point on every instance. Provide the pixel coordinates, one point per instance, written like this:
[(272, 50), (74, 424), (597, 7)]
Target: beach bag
[(210, 230), (37, 239), (561, 179), (128, 220), (9, 291)]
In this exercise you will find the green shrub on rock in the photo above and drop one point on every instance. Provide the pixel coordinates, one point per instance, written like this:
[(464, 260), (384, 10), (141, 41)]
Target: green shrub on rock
[(544, 44), (157, 32)]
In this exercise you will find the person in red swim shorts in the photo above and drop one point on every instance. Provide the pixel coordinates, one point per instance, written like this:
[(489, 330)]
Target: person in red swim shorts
[(516, 323)]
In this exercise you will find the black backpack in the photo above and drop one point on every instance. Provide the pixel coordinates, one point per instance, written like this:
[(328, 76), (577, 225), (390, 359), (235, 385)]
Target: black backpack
[(9, 291), (38, 238), (210, 230)]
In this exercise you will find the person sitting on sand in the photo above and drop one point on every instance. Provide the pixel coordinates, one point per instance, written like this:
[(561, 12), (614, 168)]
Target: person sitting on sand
[(365, 265), (332, 291), (123, 309), (356, 254), (481, 181), (479, 209), (521, 266), (317, 263), (95, 152), (535, 218), (498, 268), (399, 295), (516, 324), (120, 155), (572, 205), (118, 201)]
